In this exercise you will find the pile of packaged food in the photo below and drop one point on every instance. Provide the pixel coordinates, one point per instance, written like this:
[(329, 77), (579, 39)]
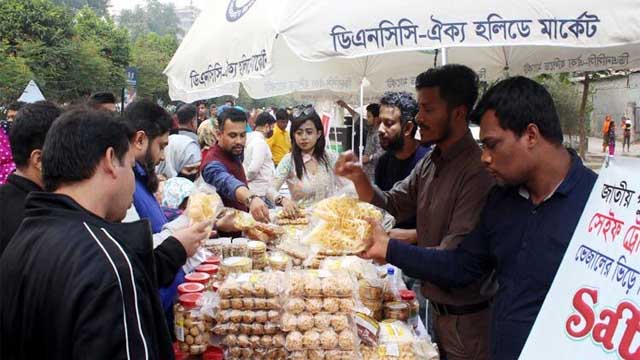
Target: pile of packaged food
[(318, 315), (397, 341), (248, 316), (281, 297)]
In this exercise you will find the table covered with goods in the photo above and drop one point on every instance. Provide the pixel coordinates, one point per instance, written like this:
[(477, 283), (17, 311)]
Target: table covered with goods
[(294, 289)]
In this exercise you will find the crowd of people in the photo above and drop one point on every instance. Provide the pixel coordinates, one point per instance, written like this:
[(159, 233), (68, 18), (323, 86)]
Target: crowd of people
[(93, 238)]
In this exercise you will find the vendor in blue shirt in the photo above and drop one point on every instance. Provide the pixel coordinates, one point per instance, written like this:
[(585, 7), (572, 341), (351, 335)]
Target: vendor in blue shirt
[(150, 124), (527, 222)]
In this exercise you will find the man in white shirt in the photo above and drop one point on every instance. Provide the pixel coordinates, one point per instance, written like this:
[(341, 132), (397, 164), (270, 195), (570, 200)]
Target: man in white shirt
[(258, 161)]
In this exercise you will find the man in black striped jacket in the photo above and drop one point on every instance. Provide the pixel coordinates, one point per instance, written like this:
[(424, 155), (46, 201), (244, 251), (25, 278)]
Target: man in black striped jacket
[(76, 283)]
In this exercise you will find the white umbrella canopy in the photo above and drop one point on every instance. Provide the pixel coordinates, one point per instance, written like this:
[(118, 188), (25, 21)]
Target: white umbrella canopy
[(276, 47)]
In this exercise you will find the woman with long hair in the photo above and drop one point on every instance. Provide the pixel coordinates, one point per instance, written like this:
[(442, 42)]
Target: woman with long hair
[(308, 169)]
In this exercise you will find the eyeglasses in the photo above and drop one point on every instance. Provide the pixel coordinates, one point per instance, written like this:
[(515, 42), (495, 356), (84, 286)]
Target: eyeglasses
[(300, 110)]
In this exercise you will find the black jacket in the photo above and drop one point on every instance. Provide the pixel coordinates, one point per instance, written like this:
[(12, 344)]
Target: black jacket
[(75, 286), (170, 255), (12, 197)]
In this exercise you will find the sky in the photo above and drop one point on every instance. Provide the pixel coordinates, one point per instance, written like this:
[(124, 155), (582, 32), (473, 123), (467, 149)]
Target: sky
[(118, 5)]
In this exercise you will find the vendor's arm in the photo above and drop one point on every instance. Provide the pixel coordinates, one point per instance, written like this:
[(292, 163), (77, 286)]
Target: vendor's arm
[(349, 109), (446, 268), (257, 207), (409, 236), (399, 201), (348, 166), (216, 174)]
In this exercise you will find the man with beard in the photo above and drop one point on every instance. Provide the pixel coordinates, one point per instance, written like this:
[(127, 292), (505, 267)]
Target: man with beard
[(77, 283), (151, 124), (223, 169), (528, 220), (258, 161), (397, 132), (446, 192)]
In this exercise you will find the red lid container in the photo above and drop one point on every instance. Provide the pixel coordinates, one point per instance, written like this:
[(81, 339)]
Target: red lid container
[(179, 354), (213, 353), (198, 277), (208, 268), (212, 260), (407, 295), (190, 300), (190, 287)]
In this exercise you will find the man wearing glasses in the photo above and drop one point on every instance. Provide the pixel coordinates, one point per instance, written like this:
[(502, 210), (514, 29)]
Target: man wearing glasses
[(446, 193)]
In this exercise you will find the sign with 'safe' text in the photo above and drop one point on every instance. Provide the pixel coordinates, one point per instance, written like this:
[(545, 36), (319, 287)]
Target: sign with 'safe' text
[(592, 310)]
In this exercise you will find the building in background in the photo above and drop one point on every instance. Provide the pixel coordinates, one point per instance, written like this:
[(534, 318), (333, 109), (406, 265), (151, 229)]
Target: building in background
[(187, 15)]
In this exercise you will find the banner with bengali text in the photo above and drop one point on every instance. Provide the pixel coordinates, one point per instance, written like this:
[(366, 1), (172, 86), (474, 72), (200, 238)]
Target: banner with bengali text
[(592, 310)]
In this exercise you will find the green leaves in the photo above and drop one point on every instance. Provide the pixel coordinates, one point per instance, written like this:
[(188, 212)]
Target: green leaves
[(69, 57), (73, 48), (151, 54), (154, 17), (100, 7)]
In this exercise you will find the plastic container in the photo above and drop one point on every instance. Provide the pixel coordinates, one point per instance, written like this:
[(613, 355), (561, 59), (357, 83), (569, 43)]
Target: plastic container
[(225, 243), (235, 265), (192, 330), (212, 260), (409, 297), (390, 287), (198, 277), (239, 247), (279, 261), (190, 287), (396, 310), (212, 270), (214, 246), (258, 254), (213, 353)]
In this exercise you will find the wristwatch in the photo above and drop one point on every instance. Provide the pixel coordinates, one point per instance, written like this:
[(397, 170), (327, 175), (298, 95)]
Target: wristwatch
[(250, 199), (279, 200)]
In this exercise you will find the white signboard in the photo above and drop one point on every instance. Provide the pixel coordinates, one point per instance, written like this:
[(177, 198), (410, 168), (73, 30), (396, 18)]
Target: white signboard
[(592, 310)]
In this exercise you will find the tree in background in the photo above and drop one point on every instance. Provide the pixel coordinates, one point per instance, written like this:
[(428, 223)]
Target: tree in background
[(151, 55), (567, 96), (68, 57), (111, 40), (153, 17), (39, 20), (14, 76), (101, 7)]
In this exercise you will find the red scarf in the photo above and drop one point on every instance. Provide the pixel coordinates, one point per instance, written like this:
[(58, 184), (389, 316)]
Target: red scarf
[(233, 165)]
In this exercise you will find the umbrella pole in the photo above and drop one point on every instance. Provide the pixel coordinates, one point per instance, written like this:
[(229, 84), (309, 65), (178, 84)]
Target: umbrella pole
[(581, 117), (361, 148)]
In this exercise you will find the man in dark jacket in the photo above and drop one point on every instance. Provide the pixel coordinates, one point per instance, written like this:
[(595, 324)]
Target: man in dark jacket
[(76, 283), (27, 137), (527, 222)]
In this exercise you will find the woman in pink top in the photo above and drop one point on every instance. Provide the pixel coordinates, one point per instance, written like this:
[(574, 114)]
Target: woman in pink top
[(6, 159)]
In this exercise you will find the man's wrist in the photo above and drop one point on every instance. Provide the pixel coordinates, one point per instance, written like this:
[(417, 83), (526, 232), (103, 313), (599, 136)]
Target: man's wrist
[(250, 200)]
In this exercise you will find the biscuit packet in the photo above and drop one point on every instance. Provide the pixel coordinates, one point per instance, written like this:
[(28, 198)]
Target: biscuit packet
[(204, 204)]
